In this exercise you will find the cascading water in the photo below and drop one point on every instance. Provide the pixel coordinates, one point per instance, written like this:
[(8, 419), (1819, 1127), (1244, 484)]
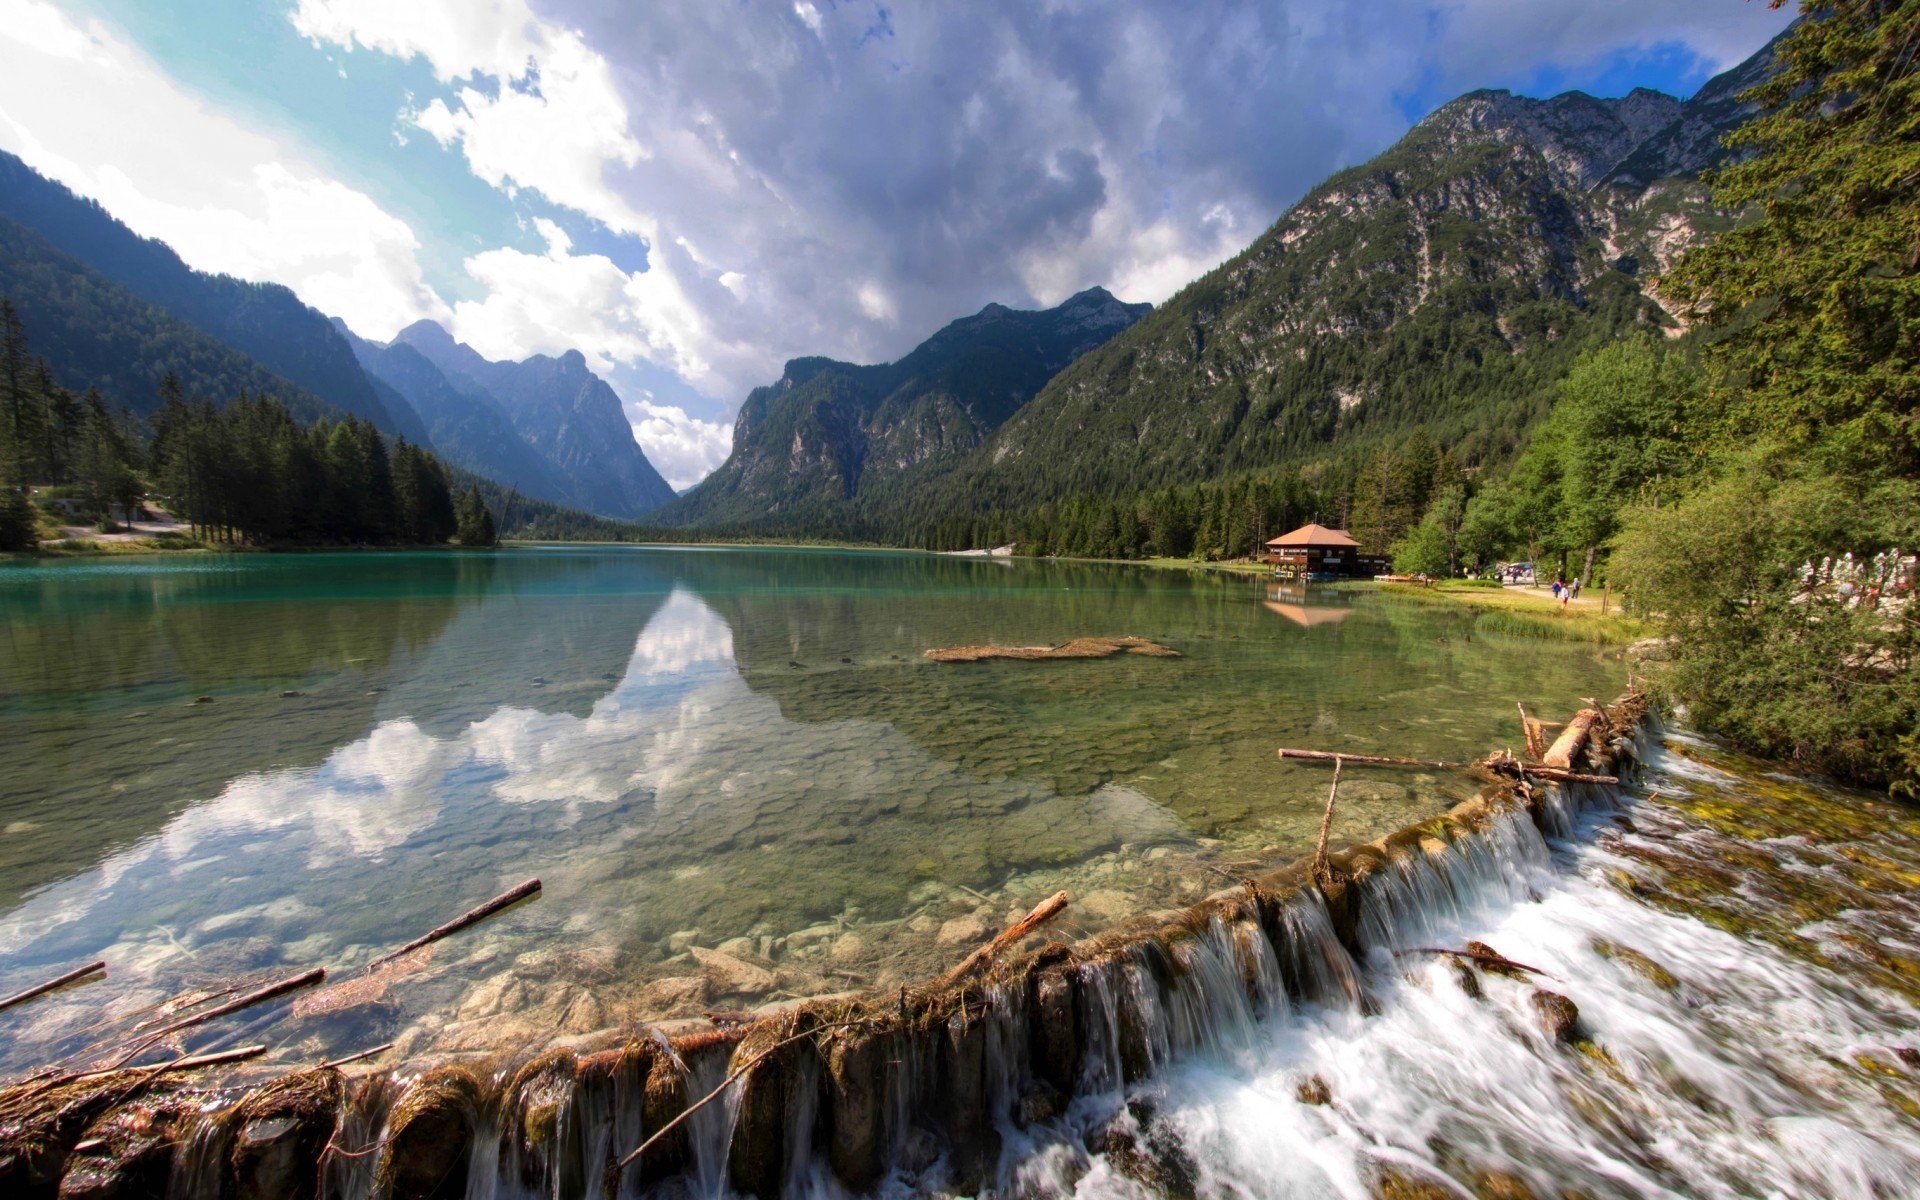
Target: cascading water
[(1637, 1019)]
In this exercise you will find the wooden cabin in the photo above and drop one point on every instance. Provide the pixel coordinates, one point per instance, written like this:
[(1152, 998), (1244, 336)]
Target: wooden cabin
[(1316, 552)]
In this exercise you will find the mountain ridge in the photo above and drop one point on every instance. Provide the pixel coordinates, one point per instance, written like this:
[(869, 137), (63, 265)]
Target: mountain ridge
[(564, 412), (1441, 287), (829, 442), (263, 321)]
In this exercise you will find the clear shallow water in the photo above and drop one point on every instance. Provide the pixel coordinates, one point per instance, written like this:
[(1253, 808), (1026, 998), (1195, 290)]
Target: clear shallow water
[(696, 750)]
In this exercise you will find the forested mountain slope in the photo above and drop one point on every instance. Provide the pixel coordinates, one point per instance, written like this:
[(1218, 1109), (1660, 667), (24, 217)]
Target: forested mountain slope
[(95, 333), (836, 448), (262, 321), (1442, 288), (563, 411)]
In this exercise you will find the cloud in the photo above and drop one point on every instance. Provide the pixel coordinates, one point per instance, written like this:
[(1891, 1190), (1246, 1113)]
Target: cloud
[(85, 108), (682, 448), (844, 178)]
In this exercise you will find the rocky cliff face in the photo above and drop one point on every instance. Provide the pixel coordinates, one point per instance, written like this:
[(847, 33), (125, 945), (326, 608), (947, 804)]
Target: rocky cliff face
[(832, 443), (467, 426), (559, 408)]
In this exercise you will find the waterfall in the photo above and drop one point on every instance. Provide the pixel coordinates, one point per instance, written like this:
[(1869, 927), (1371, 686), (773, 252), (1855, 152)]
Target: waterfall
[(1284, 1038)]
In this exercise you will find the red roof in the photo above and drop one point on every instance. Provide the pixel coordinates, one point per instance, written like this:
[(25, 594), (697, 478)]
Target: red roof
[(1315, 535)]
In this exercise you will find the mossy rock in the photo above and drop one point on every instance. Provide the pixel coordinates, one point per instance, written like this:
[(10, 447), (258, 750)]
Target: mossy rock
[(430, 1138)]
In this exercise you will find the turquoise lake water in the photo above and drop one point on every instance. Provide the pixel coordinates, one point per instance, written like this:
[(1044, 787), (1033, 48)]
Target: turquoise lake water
[(734, 771)]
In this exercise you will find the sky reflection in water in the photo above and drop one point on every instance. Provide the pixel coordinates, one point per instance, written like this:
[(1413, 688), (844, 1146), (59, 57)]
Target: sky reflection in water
[(732, 749)]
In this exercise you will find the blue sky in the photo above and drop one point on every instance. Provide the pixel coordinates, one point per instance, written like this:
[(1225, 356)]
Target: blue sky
[(691, 193)]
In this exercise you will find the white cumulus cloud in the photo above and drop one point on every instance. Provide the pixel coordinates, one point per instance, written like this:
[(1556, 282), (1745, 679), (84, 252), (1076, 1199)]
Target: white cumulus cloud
[(83, 107), (682, 448)]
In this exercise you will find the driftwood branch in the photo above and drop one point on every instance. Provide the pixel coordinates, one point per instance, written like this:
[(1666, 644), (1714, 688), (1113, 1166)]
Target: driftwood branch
[(1484, 960), (271, 991), (1383, 760), (726, 1083), (1530, 729), (382, 1048), (1326, 826), (188, 1063), (41, 989), (1496, 762), (1045, 911), (480, 913)]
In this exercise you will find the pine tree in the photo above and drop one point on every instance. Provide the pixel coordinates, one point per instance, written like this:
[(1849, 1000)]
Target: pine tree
[(475, 524)]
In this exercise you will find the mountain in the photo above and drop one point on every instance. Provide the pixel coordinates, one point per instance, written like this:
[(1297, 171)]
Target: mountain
[(95, 333), (467, 426), (832, 445), (263, 322), (1442, 288), (564, 412)]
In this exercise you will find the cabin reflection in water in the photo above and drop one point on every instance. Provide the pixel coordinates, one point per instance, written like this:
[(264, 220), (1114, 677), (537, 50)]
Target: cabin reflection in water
[(1291, 600)]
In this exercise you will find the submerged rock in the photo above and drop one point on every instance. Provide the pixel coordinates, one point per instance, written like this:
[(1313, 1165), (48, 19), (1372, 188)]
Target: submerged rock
[(1638, 963), (1148, 1152), (728, 975)]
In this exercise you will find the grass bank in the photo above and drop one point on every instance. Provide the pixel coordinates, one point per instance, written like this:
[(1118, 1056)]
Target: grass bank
[(1525, 611)]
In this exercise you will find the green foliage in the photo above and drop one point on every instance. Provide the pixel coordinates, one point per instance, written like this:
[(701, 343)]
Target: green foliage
[(1813, 304), (1433, 546), (473, 523), (1621, 433), (1791, 672), (248, 472), (1812, 320)]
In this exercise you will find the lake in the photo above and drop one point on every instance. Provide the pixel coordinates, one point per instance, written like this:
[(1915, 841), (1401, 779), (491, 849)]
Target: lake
[(733, 769)]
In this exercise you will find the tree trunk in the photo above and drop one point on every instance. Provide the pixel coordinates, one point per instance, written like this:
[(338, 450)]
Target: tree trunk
[(1586, 574)]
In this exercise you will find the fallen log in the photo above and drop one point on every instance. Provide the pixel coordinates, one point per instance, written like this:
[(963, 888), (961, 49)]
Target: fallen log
[(272, 991), (1495, 762), (1081, 647), (1043, 912), (41, 989), (1382, 760), (481, 912), (613, 1172), (1572, 740)]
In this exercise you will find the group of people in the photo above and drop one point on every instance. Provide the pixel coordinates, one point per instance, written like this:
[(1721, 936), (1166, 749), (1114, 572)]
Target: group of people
[(1564, 591)]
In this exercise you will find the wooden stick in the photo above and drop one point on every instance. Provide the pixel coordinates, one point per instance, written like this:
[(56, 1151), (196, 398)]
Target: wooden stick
[(1384, 760), (41, 989), (726, 1083), (1495, 762), (1564, 776), (481, 913), (1529, 730), (1486, 960), (1045, 911), (354, 1058), (272, 991), (190, 1063), (1326, 826)]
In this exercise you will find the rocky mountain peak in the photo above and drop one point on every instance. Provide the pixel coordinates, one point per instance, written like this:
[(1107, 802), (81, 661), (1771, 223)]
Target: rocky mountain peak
[(1583, 137)]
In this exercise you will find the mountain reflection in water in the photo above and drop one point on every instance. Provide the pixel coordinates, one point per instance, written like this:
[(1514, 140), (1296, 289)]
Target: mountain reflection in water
[(739, 752)]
